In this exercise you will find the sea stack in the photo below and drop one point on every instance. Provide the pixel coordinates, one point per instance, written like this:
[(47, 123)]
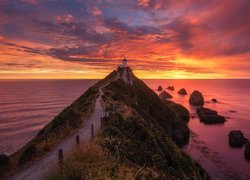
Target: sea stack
[(247, 151), (164, 95), (196, 99), (209, 116), (159, 88), (171, 88), (182, 91), (236, 138)]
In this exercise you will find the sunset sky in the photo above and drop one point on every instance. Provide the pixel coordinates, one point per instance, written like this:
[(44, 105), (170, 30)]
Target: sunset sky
[(180, 39)]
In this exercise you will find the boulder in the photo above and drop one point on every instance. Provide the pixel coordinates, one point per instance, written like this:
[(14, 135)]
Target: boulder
[(209, 116), (214, 100), (196, 99), (159, 88), (171, 88), (247, 151), (164, 95), (182, 91), (236, 138), (4, 163)]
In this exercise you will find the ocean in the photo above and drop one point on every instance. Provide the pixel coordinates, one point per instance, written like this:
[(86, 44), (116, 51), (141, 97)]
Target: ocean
[(27, 105)]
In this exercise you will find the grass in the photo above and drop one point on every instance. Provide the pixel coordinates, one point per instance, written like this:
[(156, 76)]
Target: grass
[(92, 162)]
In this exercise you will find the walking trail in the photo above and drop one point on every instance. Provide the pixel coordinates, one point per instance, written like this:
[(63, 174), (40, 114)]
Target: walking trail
[(38, 169)]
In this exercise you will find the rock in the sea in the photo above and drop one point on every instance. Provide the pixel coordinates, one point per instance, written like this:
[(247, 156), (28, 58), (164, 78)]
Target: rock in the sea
[(4, 164), (164, 95), (159, 88), (182, 91), (171, 88), (214, 100), (247, 151), (236, 138), (196, 99), (209, 116)]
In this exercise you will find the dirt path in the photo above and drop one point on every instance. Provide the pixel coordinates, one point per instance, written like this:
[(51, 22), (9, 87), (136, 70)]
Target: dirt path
[(39, 168)]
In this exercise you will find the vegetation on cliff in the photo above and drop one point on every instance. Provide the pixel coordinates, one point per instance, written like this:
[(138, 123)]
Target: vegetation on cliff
[(138, 139)]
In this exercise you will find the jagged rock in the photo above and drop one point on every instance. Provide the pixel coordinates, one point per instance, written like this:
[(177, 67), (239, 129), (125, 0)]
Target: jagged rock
[(196, 99), (182, 91), (247, 151), (159, 88), (236, 138), (214, 100), (164, 95), (4, 163), (209, 116), (171, 88)]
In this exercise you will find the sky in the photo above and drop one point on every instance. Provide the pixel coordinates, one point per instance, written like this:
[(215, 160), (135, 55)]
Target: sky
[(161, 39)]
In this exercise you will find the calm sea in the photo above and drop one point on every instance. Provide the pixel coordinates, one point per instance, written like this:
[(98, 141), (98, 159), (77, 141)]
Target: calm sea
[(27, 105)]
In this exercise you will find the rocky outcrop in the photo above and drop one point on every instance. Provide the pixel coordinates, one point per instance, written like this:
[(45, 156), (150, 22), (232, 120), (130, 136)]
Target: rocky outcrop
[(164, 95), (209, 116), (159, 88), (171, 88), (247, 151), (236, 138), (180, 110), (196, 99), (214, 100), (4, 164), (182, 91)]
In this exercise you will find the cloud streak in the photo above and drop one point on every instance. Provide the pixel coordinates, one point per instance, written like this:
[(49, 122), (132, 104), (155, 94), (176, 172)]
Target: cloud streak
[(159, 35)]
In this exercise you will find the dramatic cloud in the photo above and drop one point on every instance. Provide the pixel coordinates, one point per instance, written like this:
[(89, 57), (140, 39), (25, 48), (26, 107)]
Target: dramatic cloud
[(160, 38)]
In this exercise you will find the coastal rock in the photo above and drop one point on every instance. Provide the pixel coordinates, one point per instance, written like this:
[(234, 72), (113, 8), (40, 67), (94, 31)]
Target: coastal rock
[(180, 110), (164, 95), (182, 91), (4, 163), (171, 88), (209, 116), (181, 136), (236, 138), (196, 99), (159, 88), (214, 100), (247, 151)]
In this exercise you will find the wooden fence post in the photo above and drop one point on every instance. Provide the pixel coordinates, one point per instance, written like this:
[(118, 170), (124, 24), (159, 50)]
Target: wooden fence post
[(77, 140), (60, 156), (92, 131)]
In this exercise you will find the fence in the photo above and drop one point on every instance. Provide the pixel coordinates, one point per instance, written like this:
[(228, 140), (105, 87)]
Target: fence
[(77, 141)]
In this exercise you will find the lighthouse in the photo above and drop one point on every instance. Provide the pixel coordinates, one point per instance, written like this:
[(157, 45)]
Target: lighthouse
[(124, 63)]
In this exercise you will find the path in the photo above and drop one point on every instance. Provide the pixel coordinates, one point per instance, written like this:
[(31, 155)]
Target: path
[(39, 168)]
